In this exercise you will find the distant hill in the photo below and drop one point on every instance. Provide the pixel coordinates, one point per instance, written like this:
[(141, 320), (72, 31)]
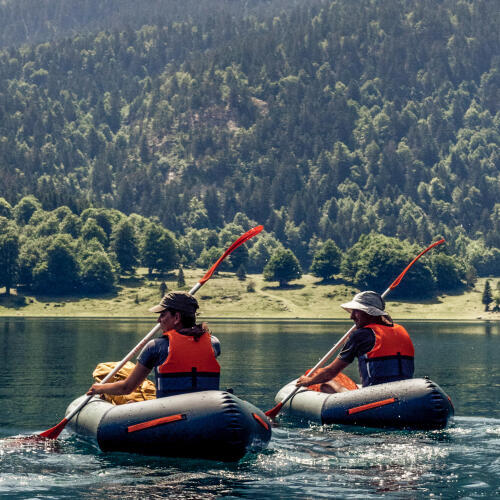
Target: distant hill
[(324, 119)]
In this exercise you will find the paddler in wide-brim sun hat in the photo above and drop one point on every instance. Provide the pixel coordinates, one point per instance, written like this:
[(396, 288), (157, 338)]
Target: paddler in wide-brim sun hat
[(384, 349)]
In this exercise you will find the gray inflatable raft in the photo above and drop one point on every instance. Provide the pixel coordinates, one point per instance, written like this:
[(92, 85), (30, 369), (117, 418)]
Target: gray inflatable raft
[(209, 424), (407, 404)]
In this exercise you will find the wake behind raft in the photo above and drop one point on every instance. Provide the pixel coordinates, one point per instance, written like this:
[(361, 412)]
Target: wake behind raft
[(409, 404), (213, 425)]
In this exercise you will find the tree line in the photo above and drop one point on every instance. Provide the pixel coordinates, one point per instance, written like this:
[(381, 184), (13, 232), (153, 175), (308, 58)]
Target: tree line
[(59, 252), (326, 121)]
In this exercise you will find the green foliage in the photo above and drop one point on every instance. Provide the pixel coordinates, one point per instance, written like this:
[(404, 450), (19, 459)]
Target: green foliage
[(181, 282), (206, 115), (30, 254), (376, 260), (208, 258), (159, 249), (329, 141), (125, 246), (25, 209), (260, 253), (326, 261), (283, 267), (59, 271), (97, 275), (91, 229), (487, 297), (5, 208), (71, 224), (241, 273), (448, 273), (239, 258), (9, 252)]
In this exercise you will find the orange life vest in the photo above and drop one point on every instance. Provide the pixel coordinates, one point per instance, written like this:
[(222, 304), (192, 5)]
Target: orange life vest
[(390, 359), (190, 365)]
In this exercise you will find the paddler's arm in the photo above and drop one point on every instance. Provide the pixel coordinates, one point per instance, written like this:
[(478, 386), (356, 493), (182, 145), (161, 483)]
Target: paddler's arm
[(323, 374), (138, 375)]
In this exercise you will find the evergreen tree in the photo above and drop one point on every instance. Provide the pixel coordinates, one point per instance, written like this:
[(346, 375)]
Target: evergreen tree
[(241, 273), (487, 297), (181, 282), (9, 254)]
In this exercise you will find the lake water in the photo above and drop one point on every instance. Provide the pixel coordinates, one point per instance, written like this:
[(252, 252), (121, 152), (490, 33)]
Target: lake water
[(46, 363)]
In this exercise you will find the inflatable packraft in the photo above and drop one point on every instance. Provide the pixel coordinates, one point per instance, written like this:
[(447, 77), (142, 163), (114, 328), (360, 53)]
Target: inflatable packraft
[(209, 424), (415, 403)]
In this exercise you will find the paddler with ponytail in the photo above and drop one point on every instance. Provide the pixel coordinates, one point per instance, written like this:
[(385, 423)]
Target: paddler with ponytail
[(384, 349), (184, 357)]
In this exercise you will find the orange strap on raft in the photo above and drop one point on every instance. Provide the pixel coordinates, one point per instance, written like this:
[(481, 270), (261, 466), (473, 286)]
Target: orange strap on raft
[(155, 422), (369, 406), (261, 421)]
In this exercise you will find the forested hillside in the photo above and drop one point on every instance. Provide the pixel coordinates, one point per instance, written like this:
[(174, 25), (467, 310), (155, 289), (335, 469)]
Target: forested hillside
[(36, 21), (323, 120)]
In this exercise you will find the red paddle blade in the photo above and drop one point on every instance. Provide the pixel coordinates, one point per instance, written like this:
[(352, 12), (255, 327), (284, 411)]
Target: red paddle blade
[(274, 411), (244, 237), (396, 282), (54, 432)]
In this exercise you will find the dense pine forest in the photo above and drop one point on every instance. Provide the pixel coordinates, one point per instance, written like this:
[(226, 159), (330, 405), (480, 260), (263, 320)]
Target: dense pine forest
[(343, 127)]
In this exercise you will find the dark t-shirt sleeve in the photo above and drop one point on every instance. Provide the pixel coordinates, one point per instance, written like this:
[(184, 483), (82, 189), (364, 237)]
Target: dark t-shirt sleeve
[(215, 345), (154, 353), (360, 342)]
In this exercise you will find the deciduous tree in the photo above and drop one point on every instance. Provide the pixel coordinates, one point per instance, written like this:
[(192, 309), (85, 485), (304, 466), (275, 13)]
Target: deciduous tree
[(124, 244), (326, 261), (283, 267)]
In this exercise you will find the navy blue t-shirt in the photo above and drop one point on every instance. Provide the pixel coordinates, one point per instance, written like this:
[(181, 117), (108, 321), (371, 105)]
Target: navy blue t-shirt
[(360, 342)]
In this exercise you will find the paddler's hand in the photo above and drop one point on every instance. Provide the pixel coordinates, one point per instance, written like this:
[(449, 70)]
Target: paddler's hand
[(95, 389), (304, 381)]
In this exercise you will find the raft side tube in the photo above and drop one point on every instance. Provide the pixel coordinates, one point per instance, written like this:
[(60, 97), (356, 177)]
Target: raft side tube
[(406, 404), (209, 424)]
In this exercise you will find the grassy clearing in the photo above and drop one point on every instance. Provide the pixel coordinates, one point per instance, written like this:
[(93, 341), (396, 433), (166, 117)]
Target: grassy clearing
[(224, 296)]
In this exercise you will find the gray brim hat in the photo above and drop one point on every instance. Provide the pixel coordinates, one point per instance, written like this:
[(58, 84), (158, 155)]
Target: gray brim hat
[(179, 301), (369, 302)]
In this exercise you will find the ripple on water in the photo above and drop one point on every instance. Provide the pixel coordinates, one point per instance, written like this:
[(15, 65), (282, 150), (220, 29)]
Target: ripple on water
[(301, 462)]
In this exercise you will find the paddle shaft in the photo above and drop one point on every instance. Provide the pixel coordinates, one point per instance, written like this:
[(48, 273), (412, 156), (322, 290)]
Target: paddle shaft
[(128, 357), (274, 411)]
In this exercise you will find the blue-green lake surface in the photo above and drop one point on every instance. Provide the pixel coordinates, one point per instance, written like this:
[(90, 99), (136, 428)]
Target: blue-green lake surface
[(46, 363)]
